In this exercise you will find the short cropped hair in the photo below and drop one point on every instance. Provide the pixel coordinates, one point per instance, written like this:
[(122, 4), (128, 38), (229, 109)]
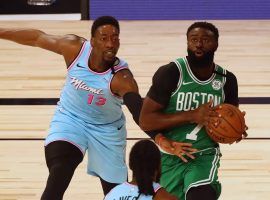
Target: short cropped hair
[(104, 20), (205, 25)]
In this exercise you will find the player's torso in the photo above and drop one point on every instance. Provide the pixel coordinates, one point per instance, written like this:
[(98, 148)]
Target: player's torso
[(189, 95), (87, 95)]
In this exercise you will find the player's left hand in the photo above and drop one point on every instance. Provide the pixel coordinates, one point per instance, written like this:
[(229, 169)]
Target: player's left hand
[(179, 149)]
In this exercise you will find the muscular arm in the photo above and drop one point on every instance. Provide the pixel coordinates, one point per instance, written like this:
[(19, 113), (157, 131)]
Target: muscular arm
[(125, 86), (163, 84), (231, 89), (152, 116), (67, 45)]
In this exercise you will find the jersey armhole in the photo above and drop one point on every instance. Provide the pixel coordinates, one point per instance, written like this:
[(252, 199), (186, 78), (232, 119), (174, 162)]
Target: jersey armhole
[(77, 57), (180, 80)]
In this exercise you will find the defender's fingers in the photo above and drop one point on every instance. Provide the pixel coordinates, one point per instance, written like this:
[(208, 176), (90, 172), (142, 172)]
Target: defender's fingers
[(190, 155), (176, 144), (188, 149), (180, 155)]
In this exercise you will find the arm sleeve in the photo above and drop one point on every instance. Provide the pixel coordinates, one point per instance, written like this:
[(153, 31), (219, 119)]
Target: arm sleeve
[(164, 82), (134, 102), (231, 89)]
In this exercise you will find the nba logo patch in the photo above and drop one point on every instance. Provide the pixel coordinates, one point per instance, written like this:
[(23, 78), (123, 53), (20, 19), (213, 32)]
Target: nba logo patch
[(216, 84)]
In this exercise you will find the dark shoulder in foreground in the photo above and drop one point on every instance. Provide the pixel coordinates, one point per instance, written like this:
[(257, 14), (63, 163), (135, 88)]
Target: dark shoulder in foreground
[(231, 89), (164, 82)]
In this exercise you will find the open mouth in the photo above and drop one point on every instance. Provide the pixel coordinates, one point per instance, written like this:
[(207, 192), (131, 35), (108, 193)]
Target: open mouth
[(109, 56), (199, 53), (109, 53)]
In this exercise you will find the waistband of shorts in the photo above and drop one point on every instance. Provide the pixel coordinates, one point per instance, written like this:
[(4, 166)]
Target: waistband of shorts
[(210, 150)]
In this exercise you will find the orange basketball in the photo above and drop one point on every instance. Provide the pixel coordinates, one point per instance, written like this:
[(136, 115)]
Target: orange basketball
[(229, 127)]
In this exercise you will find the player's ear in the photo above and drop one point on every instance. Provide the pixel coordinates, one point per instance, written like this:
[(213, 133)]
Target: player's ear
[(216, 46)]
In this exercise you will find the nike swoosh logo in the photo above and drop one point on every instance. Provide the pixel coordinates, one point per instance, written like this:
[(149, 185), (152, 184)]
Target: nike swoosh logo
[(120, 127), (186, 83), (79, 66)]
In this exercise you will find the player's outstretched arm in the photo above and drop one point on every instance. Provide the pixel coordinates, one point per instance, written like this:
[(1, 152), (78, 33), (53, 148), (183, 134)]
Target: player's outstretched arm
[(21, 36), (66, 45)]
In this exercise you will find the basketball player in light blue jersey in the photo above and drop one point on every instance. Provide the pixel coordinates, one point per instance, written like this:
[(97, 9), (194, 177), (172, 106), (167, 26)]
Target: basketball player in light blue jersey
[(145, 163), (88, 116)]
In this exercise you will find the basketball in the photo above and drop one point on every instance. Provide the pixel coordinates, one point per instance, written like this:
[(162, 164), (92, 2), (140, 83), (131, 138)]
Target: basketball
[(229, 127)]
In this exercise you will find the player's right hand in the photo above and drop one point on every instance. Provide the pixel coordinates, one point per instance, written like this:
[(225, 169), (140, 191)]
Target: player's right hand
[(179, 149), (203, 113)]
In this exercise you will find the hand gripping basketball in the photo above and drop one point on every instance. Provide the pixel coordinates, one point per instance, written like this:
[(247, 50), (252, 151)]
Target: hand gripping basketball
[(229, 126)]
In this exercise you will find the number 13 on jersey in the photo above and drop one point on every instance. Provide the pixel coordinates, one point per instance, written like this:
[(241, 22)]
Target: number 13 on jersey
[(97, 100)]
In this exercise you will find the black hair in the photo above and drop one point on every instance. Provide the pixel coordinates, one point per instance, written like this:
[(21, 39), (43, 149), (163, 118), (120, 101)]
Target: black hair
[(144, 161), (205, 25), (104, 20)]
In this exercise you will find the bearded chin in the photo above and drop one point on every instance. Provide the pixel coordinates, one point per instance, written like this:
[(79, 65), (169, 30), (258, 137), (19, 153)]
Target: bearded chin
[(205, 61)]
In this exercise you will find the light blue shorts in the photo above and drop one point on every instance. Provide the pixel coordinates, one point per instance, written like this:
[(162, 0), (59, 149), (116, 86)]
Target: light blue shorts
[(105, 144)]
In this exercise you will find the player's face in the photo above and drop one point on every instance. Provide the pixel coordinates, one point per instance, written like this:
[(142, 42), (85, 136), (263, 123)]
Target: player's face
[(201, 43), (106, 43)]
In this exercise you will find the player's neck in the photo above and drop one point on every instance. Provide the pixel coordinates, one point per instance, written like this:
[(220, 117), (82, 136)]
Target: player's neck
[(97, 64), (202, 71), (202, 74)]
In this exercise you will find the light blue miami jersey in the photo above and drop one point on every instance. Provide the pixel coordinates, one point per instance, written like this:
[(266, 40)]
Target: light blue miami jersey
[(89, 116), (128, 191), (87, 95)]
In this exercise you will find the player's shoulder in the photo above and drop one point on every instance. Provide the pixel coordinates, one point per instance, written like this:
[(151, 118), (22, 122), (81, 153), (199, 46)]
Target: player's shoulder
[(119, 62), (230, 75), (169, 68), (120, 67), (74, 38), (72, 41)]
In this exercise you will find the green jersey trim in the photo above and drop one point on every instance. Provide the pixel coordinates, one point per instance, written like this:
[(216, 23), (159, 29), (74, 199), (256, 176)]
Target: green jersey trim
[(194, 77), (180, 77), (182, 62), (211, 174)]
